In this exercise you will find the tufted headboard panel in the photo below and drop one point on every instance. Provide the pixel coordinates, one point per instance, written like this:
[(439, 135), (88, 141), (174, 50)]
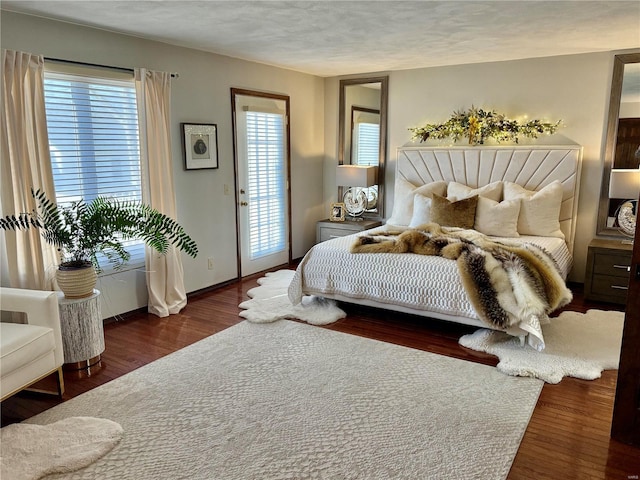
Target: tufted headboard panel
[(533, 167)]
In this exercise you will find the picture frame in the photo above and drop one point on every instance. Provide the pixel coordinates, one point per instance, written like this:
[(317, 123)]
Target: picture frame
[(337, 213), (200, 145)]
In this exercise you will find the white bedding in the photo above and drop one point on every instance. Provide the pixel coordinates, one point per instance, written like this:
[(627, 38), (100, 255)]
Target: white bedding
[(426, 285)]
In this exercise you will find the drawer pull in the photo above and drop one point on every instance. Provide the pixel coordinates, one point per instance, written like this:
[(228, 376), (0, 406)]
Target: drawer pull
[(618, 287), (623, 267)]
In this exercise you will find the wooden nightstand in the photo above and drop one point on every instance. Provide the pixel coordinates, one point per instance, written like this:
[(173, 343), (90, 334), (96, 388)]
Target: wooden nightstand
[(326, 229), (608, 270)]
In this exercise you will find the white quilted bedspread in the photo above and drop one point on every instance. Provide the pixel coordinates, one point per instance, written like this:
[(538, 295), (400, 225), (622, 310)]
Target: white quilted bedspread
[(417, 282)]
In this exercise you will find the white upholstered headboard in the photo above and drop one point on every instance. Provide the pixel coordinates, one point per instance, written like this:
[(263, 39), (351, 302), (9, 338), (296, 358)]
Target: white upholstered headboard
[(533, 167)]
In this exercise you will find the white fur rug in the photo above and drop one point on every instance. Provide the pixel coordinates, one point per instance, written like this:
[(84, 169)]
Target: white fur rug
[(30, 452), (286, 400), (270, 302), (577, 345)]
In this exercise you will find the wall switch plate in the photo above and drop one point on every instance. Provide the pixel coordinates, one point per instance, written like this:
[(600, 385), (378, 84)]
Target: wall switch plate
[(210, 263)]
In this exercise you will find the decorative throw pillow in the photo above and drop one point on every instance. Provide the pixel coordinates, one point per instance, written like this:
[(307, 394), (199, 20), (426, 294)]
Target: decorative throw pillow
[(539, 210), (403, 199), (459, 191), (421, 210), (460, 213), (499, 219)]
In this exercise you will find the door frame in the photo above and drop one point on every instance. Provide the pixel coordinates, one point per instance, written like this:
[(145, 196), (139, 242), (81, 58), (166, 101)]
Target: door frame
[(285, 98)]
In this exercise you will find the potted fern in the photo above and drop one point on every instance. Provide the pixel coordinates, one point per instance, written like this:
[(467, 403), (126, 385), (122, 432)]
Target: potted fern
[(83, 230)]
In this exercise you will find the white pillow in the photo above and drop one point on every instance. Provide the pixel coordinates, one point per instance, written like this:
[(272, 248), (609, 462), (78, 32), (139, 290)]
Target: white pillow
[(460, 191), (421, 210), (539, 210), (499, 219), (403, 199)]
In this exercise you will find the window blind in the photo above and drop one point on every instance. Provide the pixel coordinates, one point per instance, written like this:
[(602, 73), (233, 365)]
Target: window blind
[(266, 183), (368, 144), (92, 124)]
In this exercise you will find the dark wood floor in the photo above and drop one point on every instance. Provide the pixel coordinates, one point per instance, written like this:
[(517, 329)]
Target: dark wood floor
[(567, 438)]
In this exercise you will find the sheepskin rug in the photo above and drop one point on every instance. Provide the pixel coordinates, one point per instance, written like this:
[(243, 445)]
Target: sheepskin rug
[(577, 345), (269, 302)]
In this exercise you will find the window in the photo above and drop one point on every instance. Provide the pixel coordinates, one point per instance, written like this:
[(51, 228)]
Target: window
[(266, 182), (367, 144), (92, 123)]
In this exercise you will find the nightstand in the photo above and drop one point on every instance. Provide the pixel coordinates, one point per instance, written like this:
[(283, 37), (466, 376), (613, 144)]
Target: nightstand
[(326, 229), (608, 270)]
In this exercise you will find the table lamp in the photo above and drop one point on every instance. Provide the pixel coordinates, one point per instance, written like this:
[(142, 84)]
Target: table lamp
[(356, 177)]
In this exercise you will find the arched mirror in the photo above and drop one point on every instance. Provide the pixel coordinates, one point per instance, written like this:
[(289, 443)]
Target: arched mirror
[(363, 133), (623, 134)]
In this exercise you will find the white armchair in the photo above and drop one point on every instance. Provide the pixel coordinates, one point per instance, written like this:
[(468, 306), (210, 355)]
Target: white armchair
[(33, 350)]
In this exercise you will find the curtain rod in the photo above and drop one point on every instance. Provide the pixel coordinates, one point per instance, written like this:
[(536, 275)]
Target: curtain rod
[(85, 64)]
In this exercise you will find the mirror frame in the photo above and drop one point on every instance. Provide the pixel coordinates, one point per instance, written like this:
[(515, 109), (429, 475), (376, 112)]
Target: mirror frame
[(619, 62), (343, 122)]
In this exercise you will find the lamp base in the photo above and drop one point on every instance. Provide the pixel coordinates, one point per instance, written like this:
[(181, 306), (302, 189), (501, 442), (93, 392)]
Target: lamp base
[(355, 202), (626, 218)]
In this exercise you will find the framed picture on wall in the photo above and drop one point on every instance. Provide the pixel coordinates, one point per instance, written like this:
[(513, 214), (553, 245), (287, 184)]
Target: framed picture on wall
[(200, 145), (337, 212)]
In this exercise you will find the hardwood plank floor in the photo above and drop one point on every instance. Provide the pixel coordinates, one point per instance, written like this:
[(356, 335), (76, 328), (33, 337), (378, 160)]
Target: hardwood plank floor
[(568, 436)]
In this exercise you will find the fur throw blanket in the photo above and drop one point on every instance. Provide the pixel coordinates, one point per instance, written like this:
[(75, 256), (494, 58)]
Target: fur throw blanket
[(506, 283)]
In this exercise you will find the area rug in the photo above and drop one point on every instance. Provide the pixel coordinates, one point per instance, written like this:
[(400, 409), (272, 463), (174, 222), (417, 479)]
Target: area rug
[(269, 302), (287, 400), (29, 452), (577, 345)]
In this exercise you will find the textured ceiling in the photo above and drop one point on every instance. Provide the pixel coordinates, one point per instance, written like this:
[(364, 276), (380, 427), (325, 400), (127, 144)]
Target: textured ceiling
[(329, 38)]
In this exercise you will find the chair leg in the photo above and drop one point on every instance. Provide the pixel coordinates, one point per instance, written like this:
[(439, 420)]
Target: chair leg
[(60, 382), (59, 391)]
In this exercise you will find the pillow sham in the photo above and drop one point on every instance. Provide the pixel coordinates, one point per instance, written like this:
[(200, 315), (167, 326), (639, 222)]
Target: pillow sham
[(460, 213), (459, 191), (403, 196), (539, 210), (499, 219)]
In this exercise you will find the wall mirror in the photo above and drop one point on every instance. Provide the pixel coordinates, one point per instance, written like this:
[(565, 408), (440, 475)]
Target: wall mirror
[(363, 133), (623, 134)]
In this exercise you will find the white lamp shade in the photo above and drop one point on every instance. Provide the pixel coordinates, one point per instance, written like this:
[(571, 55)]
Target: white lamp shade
[(356, 176), (624, 183)]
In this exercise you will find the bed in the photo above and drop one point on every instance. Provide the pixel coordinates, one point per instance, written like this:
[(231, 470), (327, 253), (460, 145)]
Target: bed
[(431, 286)]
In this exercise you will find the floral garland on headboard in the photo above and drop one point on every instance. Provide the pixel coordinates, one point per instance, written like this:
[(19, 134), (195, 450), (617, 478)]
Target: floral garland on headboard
[(478, 125)]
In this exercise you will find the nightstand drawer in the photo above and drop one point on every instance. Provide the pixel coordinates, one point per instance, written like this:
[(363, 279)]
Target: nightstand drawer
[(613, 288), (326, 229), (327, 233), (612, 264)]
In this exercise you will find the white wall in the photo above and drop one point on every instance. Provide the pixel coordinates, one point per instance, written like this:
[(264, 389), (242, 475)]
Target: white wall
[(200, 94), (573, 88)]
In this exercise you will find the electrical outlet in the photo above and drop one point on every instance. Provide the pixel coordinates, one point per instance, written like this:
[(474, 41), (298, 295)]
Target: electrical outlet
[(210, 263)]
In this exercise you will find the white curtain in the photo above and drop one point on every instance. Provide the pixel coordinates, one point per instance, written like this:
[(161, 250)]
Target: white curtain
[(165, 276), (25, 164)]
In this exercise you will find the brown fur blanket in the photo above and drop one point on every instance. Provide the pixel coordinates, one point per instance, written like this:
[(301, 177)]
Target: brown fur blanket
[(505, 282)]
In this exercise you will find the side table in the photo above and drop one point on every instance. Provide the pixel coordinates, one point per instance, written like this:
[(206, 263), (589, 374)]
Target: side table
[(82, 330), (608, 267)]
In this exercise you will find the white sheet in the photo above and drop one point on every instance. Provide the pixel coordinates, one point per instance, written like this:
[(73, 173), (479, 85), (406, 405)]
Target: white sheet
[(427, 284)]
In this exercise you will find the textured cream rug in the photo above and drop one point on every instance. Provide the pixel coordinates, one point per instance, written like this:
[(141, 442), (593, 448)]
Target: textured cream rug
[(577, 345), (269, 302), (29, 452), (286, 400)]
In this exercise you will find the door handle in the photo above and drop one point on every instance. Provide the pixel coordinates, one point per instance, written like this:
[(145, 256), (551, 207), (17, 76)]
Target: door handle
[(244, 204)]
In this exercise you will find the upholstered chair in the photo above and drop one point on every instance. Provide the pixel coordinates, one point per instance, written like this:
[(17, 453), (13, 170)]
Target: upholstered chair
[(33, 350)]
